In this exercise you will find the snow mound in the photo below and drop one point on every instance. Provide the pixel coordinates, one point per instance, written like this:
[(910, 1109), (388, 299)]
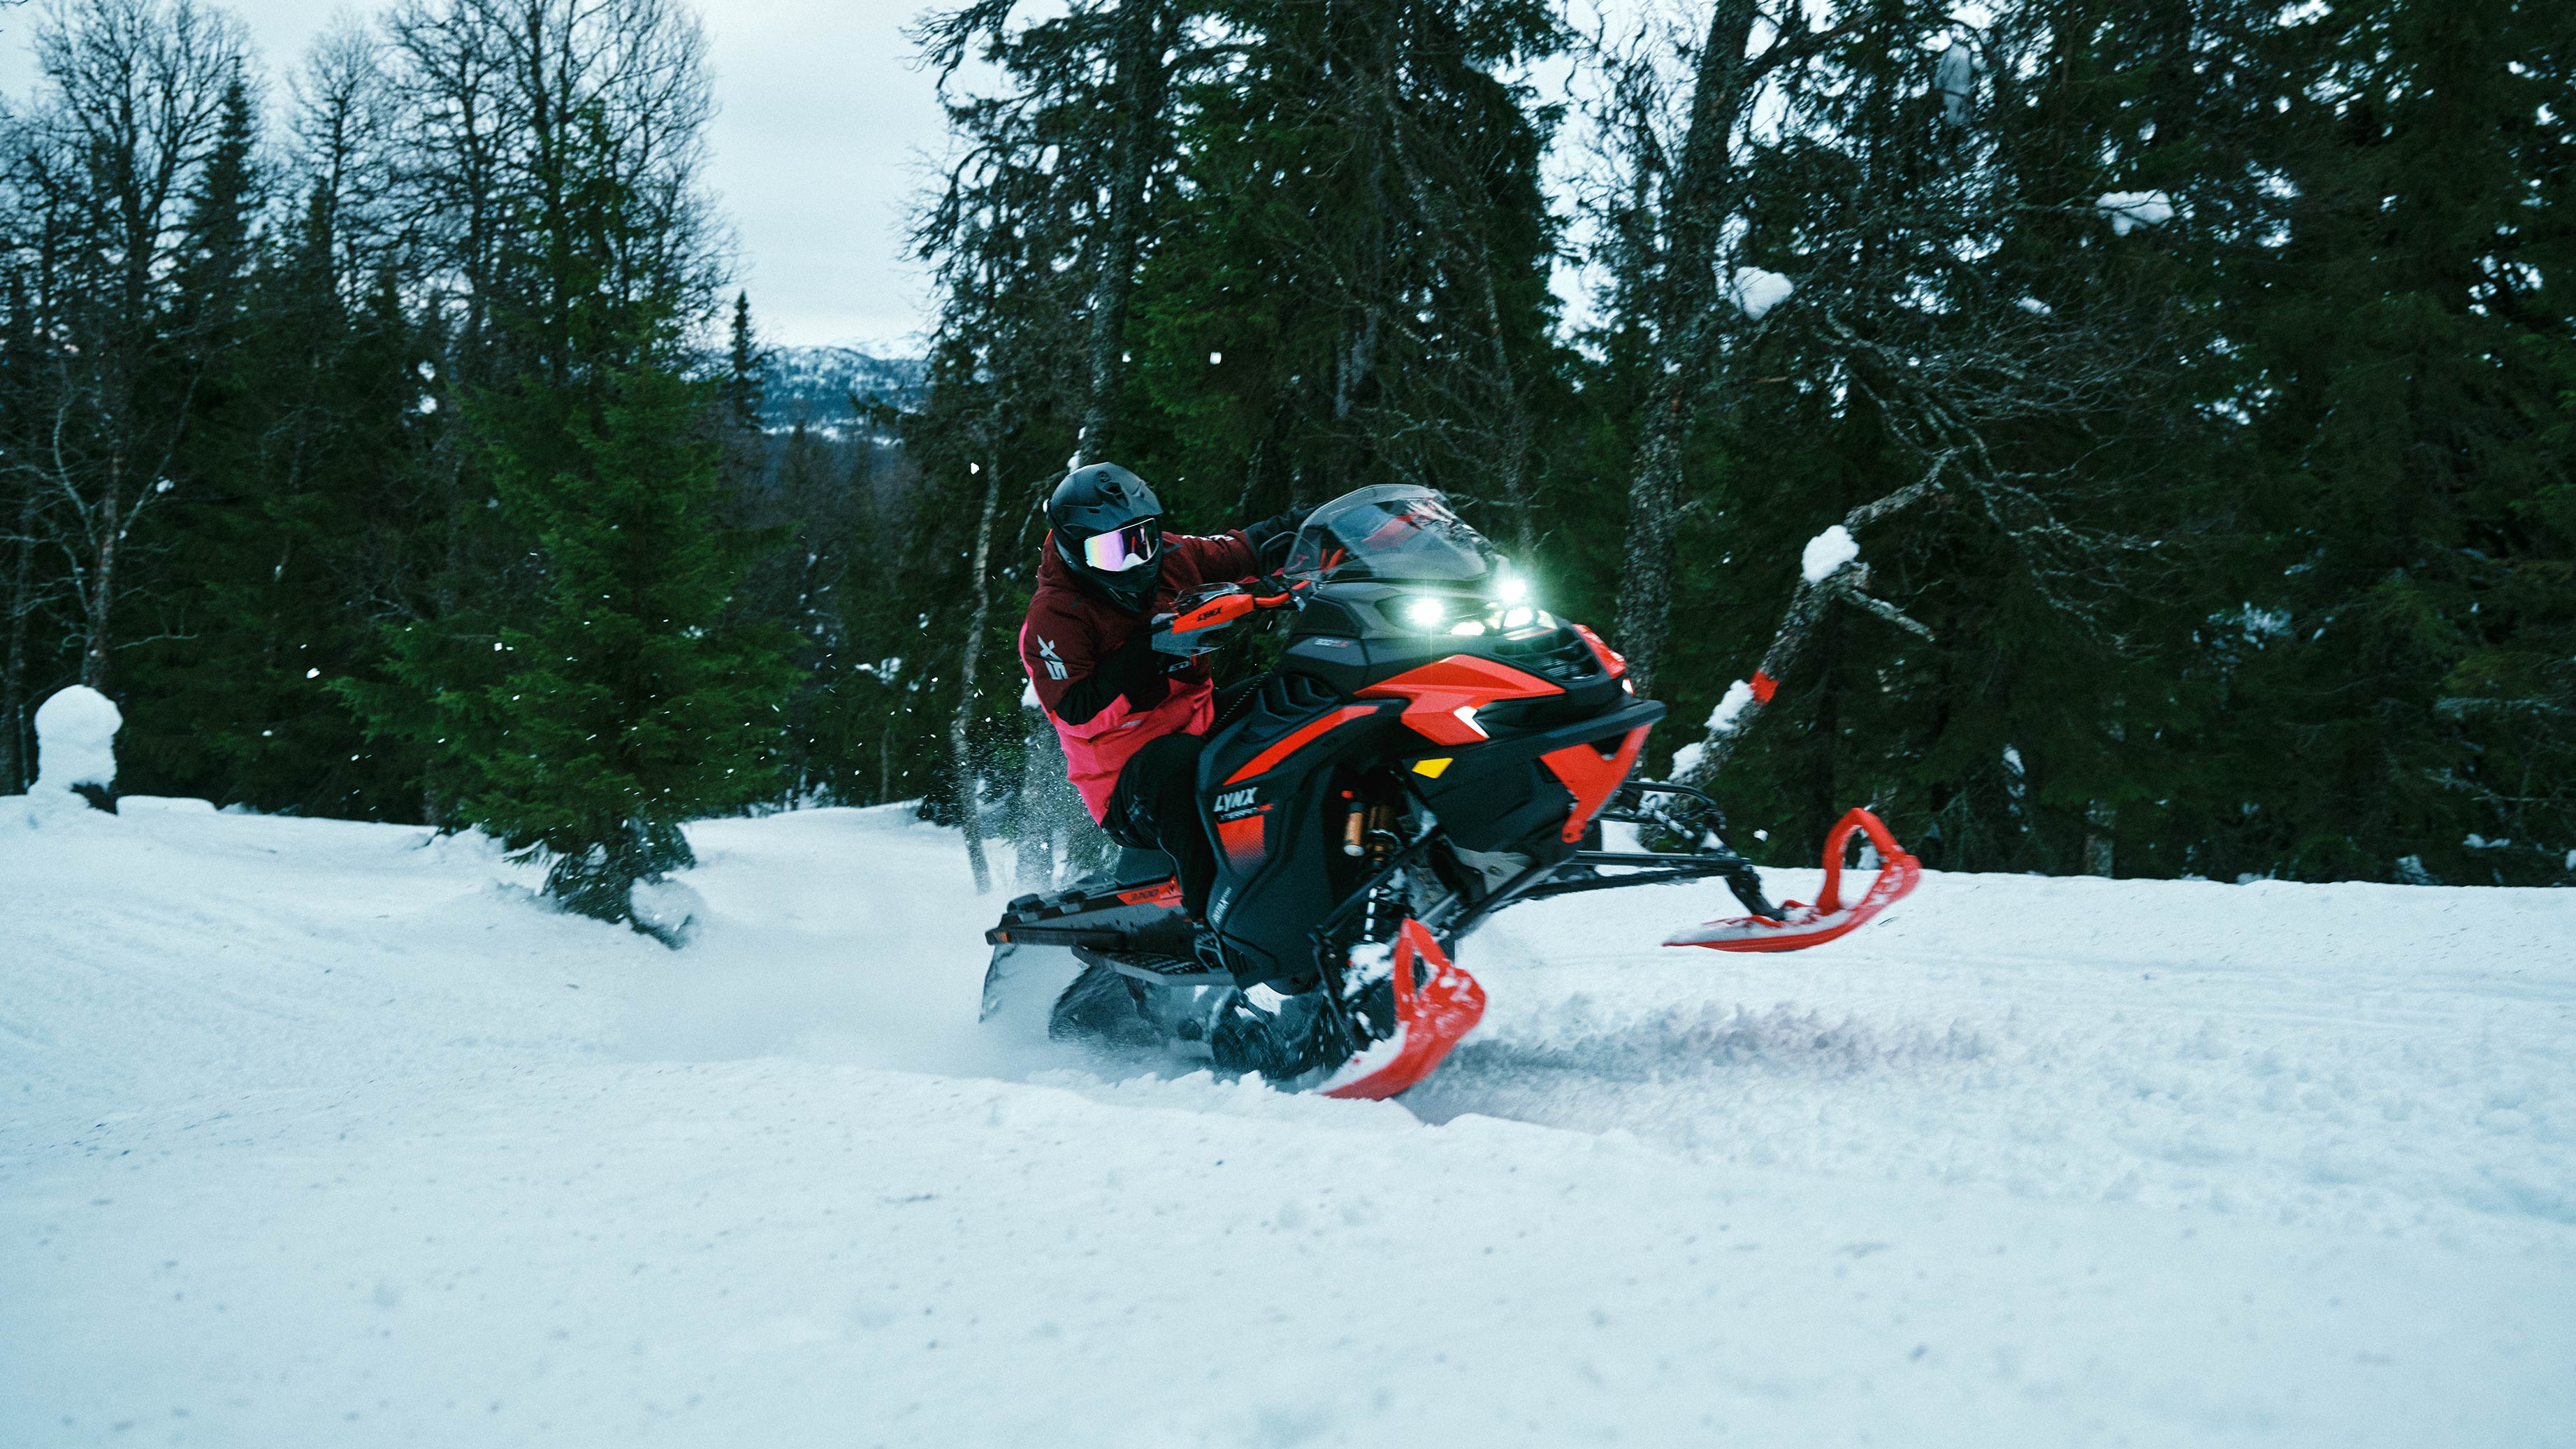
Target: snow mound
[(76, 740), (166, 804), (1758, 291), (2130, 210), (667, 909), (1827, 552)]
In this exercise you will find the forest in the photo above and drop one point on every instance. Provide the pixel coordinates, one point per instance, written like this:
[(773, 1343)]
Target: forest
[(389, 438)]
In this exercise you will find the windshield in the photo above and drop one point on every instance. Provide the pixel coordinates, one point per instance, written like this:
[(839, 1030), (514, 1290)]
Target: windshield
[(1393, 532)]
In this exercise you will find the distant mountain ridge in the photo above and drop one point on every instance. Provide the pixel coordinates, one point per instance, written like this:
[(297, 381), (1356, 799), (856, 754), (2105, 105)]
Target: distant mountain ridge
[(814, 385)]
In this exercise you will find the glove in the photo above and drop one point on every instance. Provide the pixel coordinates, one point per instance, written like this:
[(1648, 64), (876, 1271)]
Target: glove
[(1138, 671), (1273, 530)]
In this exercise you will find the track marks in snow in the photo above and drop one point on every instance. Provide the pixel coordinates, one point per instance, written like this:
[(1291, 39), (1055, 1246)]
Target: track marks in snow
[(2366, 1080), (339, 1122)]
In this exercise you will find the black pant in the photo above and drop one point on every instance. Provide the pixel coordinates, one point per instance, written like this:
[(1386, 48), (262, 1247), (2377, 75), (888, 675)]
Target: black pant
[(1155, 806)]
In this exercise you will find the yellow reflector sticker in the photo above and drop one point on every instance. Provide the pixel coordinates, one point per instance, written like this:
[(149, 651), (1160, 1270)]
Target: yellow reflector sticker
[(1431, 768)]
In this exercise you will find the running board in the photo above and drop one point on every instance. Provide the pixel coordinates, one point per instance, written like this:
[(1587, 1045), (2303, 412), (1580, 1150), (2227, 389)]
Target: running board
[(1189, 973)]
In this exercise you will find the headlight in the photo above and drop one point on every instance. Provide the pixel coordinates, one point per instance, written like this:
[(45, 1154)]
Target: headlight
[(1425, 611), (1512, 589)]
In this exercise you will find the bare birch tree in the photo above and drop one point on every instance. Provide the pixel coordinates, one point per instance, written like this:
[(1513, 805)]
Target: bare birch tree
[(129, 112)]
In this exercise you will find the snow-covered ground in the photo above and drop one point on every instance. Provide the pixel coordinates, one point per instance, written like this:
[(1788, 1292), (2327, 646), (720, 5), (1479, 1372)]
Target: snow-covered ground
[(323, 1134)]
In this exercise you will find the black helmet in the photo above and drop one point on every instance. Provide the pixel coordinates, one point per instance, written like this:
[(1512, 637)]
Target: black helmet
[(1109, 530)]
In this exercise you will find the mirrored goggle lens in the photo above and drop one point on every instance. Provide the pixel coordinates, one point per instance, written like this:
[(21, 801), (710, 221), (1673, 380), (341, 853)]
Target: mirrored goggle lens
[(1118, 552)]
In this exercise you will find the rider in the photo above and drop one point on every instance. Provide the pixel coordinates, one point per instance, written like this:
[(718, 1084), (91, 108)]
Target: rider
[(1132, 719)]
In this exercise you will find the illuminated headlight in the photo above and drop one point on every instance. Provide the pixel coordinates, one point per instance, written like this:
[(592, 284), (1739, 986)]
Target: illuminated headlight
[(1512, 590), (1516, 618), (1469, 627), (1425, 611)]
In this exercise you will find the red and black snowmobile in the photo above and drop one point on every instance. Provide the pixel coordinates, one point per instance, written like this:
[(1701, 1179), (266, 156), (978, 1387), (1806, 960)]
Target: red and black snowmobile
[(1430, 747)]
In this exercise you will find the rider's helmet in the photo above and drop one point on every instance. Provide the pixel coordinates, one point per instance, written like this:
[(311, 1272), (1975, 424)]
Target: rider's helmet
[(1109, 530)]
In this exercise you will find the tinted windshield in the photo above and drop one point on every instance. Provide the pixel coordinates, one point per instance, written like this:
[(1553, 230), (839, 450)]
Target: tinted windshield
[(1393, 532)]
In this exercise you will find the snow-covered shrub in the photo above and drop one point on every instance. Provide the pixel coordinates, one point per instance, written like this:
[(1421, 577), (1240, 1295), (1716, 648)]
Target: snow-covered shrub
[(76, 742)]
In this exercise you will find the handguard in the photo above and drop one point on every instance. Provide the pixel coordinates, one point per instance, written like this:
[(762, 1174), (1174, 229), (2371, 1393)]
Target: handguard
[(1800, 926), (1208, 611)]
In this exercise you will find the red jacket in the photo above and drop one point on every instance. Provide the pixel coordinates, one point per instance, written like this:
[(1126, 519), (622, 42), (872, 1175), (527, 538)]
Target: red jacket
[(1070, 632)]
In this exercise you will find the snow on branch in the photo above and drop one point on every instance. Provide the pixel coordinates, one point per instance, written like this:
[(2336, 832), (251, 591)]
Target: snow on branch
[(1758, 291), (1827, 552), (2129, 210)]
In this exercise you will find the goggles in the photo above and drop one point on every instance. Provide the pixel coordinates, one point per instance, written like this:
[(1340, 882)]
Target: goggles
[(1122, 549)]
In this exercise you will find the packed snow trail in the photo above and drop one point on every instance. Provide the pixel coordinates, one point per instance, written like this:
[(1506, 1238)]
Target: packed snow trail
[(328, 1134)]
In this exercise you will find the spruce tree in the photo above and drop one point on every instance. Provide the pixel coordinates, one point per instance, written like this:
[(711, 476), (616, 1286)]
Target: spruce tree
[(2408, 713), (634, 708), (627, 703)]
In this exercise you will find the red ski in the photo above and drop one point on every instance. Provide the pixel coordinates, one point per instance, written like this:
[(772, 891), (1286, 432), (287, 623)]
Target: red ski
[(1429, 1020), (1798, 925)]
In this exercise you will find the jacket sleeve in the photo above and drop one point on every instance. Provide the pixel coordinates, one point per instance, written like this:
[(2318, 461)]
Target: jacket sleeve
[(1081, 684), (1220, 556)]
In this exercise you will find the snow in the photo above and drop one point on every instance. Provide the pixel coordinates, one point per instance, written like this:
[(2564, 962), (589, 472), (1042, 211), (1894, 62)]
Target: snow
[(668, 909), (2129, 210), (1827, 552), (1730, 708), (314, 1132), (1758, 291), (1954, 75), (128, 804), (76, 740)]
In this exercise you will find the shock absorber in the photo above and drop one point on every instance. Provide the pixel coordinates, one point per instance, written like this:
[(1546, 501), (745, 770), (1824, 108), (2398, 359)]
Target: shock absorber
[(1378, 841)]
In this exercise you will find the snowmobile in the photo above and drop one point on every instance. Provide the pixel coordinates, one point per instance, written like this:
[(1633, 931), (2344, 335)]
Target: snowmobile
[(1429, 748)]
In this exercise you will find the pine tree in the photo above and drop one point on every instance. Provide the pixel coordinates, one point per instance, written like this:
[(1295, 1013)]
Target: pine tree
[(2407, 711)]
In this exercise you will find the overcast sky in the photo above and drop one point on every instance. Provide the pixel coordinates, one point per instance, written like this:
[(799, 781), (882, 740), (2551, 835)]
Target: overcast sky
[(821, 140), (823, 135)]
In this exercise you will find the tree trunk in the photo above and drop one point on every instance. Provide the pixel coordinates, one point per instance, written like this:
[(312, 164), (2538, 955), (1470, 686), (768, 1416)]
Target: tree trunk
[(1142, 87), (969, 792), (14, 773), (2102, 827), (1041, 773), (1644, 620), (1798, 628), (99, 600), (2102, 822), (1686, 328)]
